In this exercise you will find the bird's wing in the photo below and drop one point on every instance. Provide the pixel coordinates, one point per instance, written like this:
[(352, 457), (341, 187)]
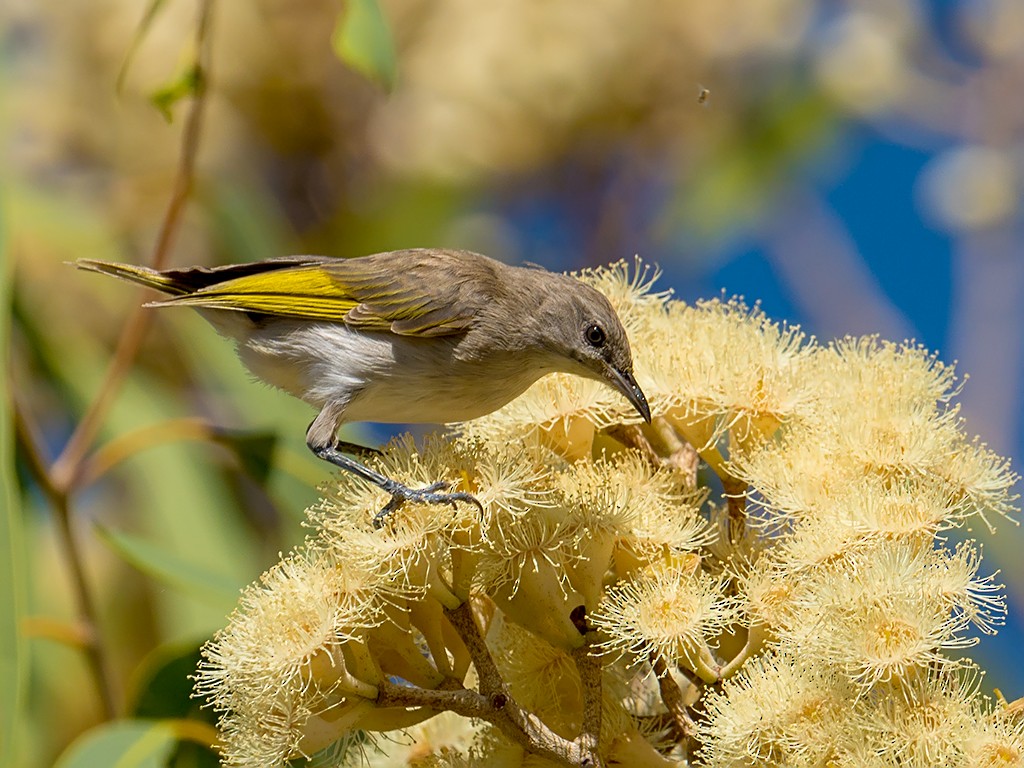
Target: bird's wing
[(427, 296), (186, 280)]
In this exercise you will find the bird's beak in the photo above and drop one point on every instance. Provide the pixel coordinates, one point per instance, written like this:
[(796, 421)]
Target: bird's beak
[(626, 384)]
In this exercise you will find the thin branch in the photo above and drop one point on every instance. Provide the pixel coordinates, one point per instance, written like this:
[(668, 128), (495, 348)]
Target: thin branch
[(497, 706), (66, 469), (61, 479), (94, 649), (463, 701), (736, 505), (632, 436), (677, 453), (464, 622), (672, 697), (588, 664), (681, 454), (27, 436)]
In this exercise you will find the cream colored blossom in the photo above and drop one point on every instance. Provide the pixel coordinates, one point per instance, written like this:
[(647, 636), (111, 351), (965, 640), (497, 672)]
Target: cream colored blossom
[(877, 614), (925, 719), (809, 615), (779, 710), (803, 476), (442, 741), (666, 613), (996, 740), (730, 369), (624, 509), (542, 678), (906, 428), (282, 660), (524, 573)]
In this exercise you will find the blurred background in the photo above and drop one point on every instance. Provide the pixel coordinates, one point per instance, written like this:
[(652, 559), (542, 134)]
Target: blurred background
[(855, 166)]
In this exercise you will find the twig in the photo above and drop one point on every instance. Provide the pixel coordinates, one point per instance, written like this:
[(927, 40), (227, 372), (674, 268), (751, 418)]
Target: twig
[(736, 504), (496, 705), (681, 454), (589, 667), (672, 697), (632, 436), (96, 658), (463, 701), (62, 478), (65, 470)]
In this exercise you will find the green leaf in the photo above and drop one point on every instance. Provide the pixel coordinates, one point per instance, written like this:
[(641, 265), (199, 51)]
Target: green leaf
[(162, 688), (254, 449), (121, 744), (161, 684), (362, 40), (185, 85), (13, 580), (172, 569)]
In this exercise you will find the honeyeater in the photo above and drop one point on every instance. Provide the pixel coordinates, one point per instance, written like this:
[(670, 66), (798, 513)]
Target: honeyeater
[(416, 336)]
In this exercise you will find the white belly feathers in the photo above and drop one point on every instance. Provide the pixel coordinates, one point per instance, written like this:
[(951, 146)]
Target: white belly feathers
[(377, 376)]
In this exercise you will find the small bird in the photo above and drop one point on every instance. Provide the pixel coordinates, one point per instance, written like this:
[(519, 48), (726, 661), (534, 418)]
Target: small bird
[(414, 336)]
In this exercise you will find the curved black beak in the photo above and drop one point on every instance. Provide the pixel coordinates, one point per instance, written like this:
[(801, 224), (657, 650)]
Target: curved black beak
[(626, 384)]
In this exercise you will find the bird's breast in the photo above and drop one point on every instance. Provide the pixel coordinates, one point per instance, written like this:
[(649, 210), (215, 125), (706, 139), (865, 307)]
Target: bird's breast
[(383, 377)]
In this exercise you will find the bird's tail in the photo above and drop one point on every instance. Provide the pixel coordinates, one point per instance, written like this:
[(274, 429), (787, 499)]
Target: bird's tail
[(163, 282)]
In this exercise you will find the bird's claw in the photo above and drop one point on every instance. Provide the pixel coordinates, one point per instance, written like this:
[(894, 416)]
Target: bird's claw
[(429, 495), (433, 488)]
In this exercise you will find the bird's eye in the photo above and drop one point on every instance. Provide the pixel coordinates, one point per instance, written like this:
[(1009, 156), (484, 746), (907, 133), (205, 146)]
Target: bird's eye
[(595, 335)]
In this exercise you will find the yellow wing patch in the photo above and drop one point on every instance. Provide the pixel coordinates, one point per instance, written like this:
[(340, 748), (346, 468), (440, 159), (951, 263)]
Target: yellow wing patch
[(313, 292), (301, 292)]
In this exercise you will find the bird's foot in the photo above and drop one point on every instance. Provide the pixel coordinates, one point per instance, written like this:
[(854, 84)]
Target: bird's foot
[(432, 494)]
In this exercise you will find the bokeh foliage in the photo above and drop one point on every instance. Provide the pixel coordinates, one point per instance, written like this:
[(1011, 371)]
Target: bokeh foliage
[(566, 134)]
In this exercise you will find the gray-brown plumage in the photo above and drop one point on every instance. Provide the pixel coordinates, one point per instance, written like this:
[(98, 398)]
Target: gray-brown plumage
[(419, 336)]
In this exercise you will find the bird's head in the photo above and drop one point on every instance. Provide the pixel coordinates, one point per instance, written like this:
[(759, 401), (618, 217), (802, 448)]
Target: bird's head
[(582, 332)]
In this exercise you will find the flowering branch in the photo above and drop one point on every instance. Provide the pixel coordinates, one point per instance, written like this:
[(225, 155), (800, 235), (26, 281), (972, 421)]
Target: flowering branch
[(672, 697), (502, 710), (588, 664), (844, 594), (494, 704)]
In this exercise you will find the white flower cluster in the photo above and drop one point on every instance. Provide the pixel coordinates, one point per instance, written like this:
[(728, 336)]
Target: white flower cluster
[(602, 608)]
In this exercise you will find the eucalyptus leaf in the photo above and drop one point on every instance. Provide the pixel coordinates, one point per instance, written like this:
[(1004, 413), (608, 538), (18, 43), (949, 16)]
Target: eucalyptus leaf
[(185, 85), (13, 577), (172, 569), (162, 688), (121, 744), (362, 40)]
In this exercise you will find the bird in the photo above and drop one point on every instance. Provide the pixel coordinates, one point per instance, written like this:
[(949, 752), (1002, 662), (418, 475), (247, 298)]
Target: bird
[(422, 335)]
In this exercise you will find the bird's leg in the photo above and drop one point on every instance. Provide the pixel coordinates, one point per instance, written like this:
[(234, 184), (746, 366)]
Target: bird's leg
[(400, 493), (321, 441), (354, 449)]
